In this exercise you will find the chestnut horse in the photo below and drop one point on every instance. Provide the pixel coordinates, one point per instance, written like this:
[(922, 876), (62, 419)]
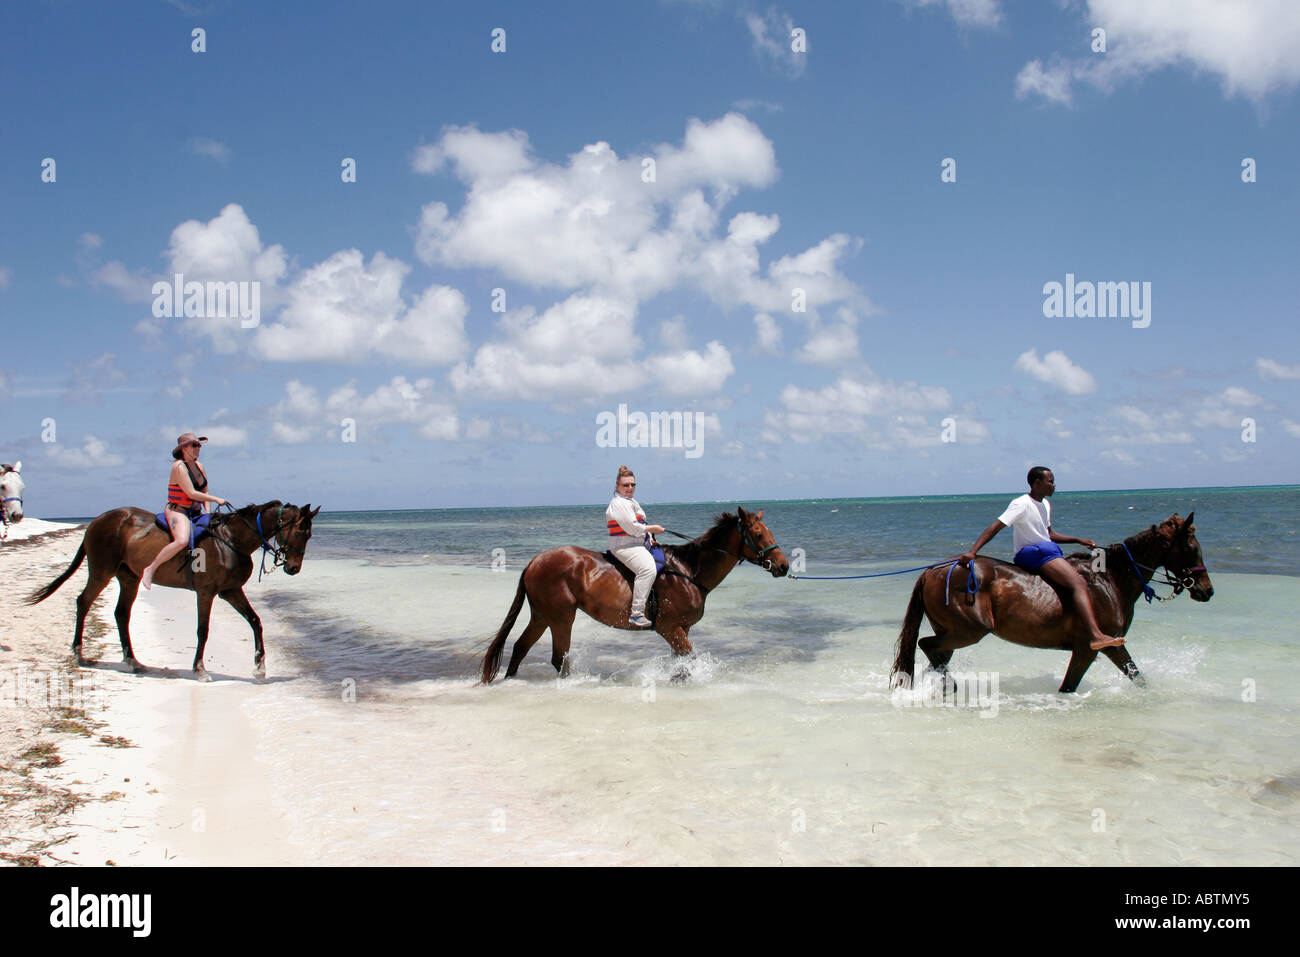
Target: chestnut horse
[(124, 541), (1024, 608), (561, 580)]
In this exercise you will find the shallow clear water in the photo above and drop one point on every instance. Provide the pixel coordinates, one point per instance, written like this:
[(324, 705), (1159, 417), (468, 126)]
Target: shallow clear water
[(785, 744)]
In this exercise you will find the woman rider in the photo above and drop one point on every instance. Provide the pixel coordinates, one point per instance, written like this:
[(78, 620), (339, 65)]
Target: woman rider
[(186, 499), (628, 537)]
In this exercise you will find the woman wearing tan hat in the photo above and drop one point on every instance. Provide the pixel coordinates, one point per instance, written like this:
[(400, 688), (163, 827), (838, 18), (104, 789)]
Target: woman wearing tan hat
[(186, 499)]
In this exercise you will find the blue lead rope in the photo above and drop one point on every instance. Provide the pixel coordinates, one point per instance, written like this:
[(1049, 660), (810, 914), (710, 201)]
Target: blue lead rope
[(901, 571), (972, 580)]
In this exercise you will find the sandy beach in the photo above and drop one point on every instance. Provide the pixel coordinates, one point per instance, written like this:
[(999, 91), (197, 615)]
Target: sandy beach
[(102, 767)]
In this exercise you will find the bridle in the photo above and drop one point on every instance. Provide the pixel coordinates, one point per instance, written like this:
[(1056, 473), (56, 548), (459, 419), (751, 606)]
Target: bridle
[(276, 547), (1177, 579), (745, 542)]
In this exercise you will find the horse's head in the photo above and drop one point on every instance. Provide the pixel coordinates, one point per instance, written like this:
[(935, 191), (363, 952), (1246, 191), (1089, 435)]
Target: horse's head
[(11, 491), (757, 544), (294, 534), (1183, 557)]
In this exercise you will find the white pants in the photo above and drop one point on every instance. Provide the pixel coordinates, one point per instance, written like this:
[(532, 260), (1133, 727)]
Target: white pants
[(642, 563)]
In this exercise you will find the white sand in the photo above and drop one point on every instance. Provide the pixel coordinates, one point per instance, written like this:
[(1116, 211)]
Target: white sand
[(189, 790)]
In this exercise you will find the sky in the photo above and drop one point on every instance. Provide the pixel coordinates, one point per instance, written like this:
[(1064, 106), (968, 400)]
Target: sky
[(489, 252)]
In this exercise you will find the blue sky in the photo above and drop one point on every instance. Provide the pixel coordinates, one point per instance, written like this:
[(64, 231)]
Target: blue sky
[(379, 375)]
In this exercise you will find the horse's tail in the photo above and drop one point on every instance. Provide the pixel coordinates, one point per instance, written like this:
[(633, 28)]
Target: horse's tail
[(39, 596), (492, 660), (905, 650)]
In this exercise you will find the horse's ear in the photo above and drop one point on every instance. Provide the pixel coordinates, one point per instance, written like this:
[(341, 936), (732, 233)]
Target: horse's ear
[(740, 513), (1187, 525), (759, 516), (18, 466), (315, 513)]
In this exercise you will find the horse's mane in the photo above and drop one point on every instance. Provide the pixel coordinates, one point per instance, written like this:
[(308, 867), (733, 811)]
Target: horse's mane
[(689, 552)]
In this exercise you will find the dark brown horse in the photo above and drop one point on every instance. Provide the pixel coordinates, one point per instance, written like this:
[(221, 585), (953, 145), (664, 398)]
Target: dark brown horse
[(124, 541), (561, 580), (1023, 608)]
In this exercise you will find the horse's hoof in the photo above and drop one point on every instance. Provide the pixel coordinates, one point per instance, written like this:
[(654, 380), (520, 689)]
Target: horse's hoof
[(136, 667), (201, 675), (259, 673)]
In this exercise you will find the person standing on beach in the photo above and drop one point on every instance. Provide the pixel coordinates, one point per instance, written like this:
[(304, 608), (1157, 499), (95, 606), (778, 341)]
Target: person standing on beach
[(629, 540), (1037, 548), (186, 499)]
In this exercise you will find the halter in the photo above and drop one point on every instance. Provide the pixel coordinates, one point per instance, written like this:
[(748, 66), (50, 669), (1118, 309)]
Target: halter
[(1178, 579)]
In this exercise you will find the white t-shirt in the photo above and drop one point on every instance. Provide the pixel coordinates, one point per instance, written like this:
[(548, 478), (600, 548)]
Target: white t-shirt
[(1029, 520)]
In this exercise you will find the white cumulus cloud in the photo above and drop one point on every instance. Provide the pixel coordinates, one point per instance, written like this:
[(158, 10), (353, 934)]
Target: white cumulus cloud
[(1057, 370)]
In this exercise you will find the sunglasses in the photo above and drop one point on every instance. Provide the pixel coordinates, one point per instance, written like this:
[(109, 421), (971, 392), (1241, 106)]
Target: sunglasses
[(195, 445)]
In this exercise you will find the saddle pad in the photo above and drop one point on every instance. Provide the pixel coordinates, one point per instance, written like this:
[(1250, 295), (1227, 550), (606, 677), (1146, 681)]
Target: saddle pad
[(656, 553), (198, 526)]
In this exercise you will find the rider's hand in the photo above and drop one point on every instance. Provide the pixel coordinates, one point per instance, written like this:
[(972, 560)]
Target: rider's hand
[(965, 558), (655, 529), (1087, 543)]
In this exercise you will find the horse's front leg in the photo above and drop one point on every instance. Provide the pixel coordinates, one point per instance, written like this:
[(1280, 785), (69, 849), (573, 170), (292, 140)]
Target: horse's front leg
[(1119, 656), (237, 600), (205, 611), (1080, 660), (681, 646)]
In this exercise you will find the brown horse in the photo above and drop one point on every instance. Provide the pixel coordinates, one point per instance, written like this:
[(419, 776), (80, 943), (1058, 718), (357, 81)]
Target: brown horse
[(1023, 608), (561, 580), (124, 541)]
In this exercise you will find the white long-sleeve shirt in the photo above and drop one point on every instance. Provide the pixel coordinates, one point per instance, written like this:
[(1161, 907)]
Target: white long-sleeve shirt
[(625, 521)]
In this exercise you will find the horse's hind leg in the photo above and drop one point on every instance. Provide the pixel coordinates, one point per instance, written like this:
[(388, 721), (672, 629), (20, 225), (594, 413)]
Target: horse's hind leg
[(1119, 656), (128, 584), (525, 642), (561, 631), (97, 581), (1079, 662), (237, 600), (939, 647)]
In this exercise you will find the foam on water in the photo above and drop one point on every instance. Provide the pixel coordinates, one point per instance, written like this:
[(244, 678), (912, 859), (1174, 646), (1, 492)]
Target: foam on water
[(784, 743)]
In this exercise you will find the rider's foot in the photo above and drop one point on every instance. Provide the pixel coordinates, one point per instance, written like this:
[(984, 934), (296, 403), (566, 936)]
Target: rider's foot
[(1105, 641), (639, 620), (146, 580)]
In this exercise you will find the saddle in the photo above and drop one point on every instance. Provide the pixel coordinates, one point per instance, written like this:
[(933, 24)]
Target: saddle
[(652, 603)]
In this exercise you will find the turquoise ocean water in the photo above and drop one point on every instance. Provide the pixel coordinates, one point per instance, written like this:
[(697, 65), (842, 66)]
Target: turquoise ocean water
[(785, 745)]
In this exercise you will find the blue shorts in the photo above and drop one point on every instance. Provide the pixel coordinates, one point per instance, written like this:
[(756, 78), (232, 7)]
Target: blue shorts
[(1034, 557)]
